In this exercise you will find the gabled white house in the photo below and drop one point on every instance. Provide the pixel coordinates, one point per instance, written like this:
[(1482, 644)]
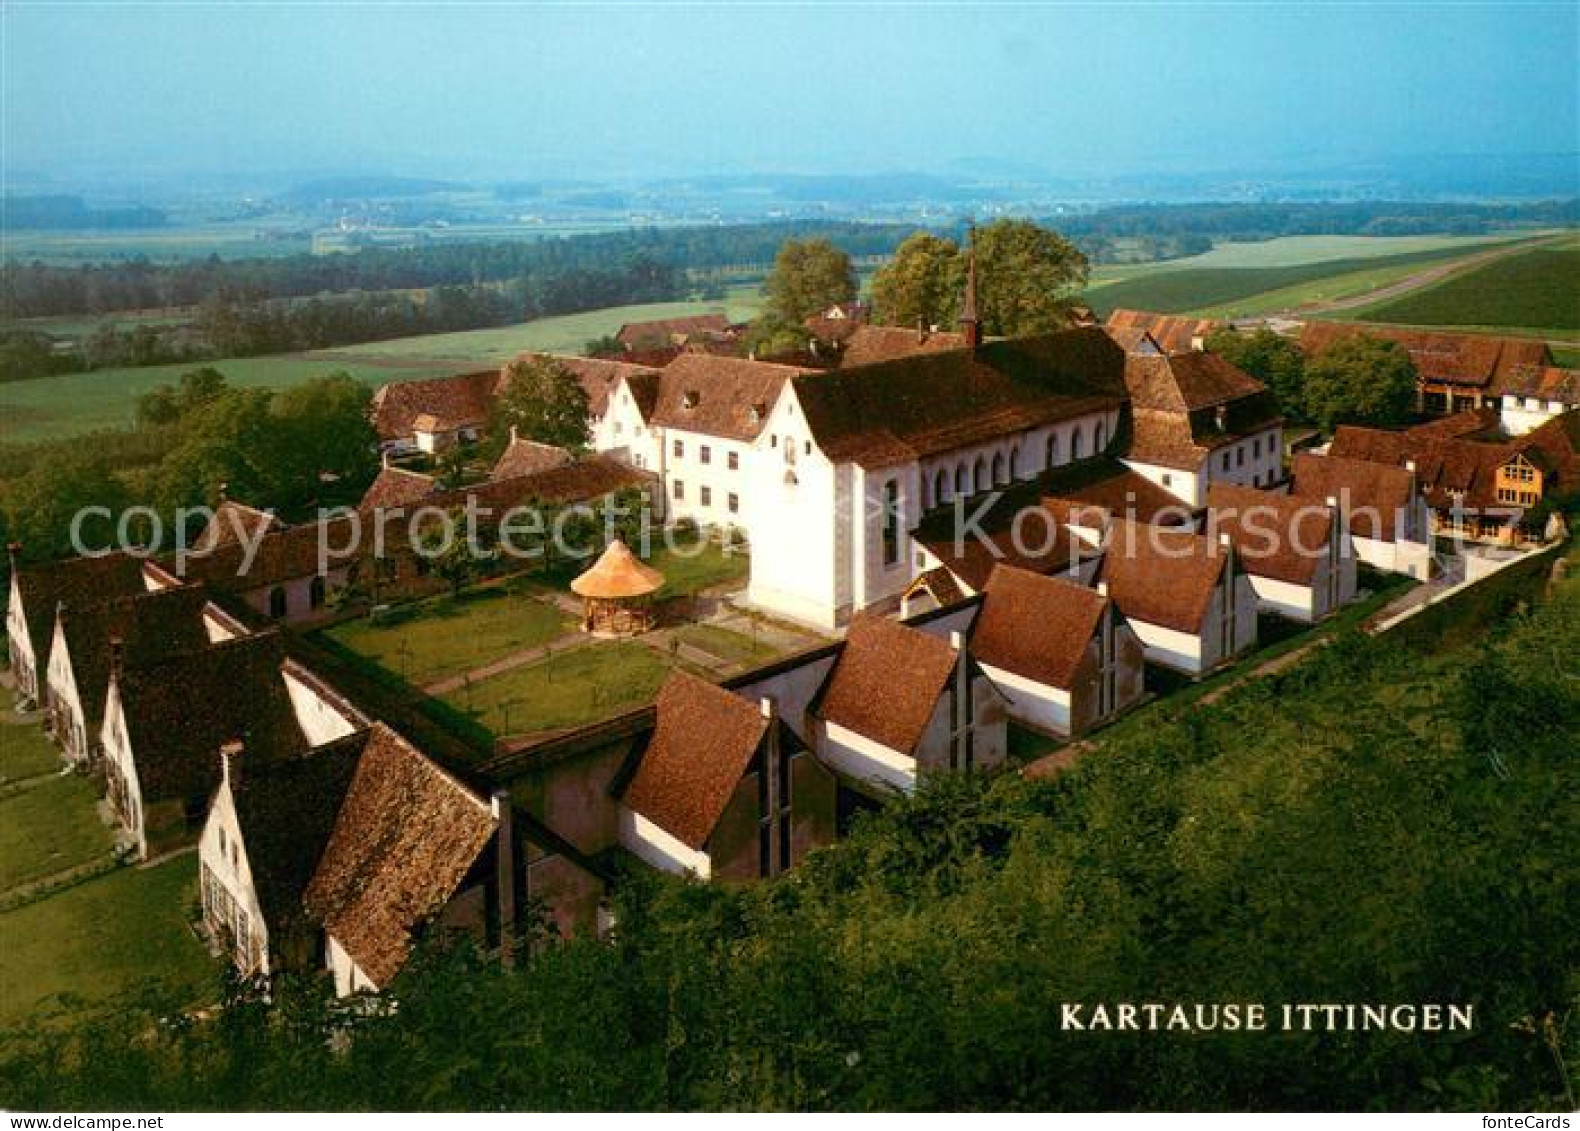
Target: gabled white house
[(1295, 551), (1184, 594), (900, 703), (1062, 655), (39, 592)]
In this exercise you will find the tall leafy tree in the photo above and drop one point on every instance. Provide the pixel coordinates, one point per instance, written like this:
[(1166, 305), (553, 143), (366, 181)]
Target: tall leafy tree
[(808, 276), (922, 283), (1271, 358), (327, 431), (1360, 380), (39, 506), (1026, 276), (545, 402)]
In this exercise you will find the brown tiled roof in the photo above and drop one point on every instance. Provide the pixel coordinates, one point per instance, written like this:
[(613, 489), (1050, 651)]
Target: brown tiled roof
[(598, 376), (647, 358), (591, 477), (1161, 575), (150, 626), (406, 836), (1133, 340), (703, 741), (286, 555), (617, 573), (1277, 536), (1475, 360), (1112, 487), (397, 487), (460, 401), (868, 345), (1184, 405), (182, 709), (727, 397), (672, 331), (886, 682), (1374, 493), (1173, 333), (528, 457), (643, 387), (233, 521), (1544, 382), (1034, 626), (72, 582), (884, 414), (286, 810)]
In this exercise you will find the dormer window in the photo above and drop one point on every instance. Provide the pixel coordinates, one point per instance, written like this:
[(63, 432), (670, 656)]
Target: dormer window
[(759, 410), (689, 399)]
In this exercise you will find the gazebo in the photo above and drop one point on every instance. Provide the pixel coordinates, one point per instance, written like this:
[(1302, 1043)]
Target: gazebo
[(617, 593)]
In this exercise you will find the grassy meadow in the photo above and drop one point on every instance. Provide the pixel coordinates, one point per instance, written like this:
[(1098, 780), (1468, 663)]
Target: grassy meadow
[(1536, 290)]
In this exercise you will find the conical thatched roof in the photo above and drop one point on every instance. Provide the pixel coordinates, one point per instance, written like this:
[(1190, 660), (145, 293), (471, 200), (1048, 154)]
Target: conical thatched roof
[(617, 573)]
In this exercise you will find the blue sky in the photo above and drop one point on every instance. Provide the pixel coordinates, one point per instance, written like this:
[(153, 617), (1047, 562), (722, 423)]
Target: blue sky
[(515, 90)]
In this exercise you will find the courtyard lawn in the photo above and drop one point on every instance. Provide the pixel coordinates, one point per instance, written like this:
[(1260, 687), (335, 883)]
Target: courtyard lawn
[(25, 752), (48, 828), (119, 939), (446, 636), (577, 686), (727, 644)]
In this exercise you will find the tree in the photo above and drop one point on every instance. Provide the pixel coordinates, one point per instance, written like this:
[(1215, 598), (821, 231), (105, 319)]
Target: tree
[(922, 283), (772, 336), (1026, 276), (1360, 380), (40, 505), (545, 402), (192, 390), (808, 276), (608, 343), (452, 555), (1271, 358), (326, 431)]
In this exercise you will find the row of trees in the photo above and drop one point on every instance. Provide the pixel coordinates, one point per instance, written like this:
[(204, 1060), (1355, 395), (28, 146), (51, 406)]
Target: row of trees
[(1375, 824), (1357, 380), (1026, 277)]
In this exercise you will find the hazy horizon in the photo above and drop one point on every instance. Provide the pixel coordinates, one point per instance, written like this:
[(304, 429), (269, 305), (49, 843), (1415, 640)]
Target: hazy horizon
[(486, 92)]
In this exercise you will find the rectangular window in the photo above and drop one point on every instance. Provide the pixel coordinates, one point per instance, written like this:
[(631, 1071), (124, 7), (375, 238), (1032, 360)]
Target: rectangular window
[(679, 448), (1224, 463), (891, 523), (734, 460), (705, 454), (705, 496), (808, 449), (678, 489), (1239, 456), (735, 503)]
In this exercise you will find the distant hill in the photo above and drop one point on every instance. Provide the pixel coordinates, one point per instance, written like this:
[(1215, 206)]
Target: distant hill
[(56, 213), (366, 188)]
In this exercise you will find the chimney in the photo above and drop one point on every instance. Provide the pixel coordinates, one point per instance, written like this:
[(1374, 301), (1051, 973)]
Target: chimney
[(13, 551), (970, 322), (224, 492), (768, 707), (921, 329), (1333, 501), (1221, 418), (513, 436), (1409, 465), (505, 872), (384, 459), (1102, 588), (957, 641), (1224, 540), (229, 752)]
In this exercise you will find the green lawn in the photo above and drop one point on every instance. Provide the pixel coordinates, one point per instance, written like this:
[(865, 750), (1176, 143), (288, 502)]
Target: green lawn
[(443, 636), (1539, 288), (727, 644), (109, 940), (1179, 287), (48, 828), (578, 686), (689, 568), (24, 751)]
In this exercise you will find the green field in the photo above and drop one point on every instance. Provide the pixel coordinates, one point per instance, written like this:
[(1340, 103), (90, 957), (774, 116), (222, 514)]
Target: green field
[(24, 750), (116, 940), (1538, 290), (70, 404), (1226, 290), (446, 636), (589, 682), (48, 828)]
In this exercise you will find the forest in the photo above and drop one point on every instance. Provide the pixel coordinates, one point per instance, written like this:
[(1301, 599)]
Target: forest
[(1380, 823)]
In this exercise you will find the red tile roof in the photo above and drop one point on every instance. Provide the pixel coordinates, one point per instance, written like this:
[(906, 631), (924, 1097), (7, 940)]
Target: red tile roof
[(1037, 627), (528, 457), (1161, 575), (233, 521), (728, 397), (1474, 360), (462, 401), (405, 838), (1276, 536), (1375, 496), (1173, 333), (703, 742), (397, 487), (896, 411), (71, 582), (1183, 406), (868, 345), (662, 332), (1544, 382), (887, 681)]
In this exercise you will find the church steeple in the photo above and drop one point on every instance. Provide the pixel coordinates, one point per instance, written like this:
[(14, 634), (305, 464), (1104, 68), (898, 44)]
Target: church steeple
[(970, 323)]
